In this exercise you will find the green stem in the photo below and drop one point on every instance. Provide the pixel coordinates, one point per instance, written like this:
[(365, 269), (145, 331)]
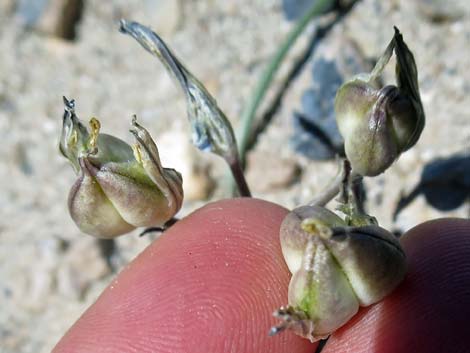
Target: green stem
[(249, 113)]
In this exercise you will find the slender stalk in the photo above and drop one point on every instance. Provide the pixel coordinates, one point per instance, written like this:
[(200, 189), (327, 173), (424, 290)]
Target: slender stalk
[(161, 229), (357, 192), (109, 252), (345, 183), (239, 177), (340, 185), (327, 195), (330, 192), (261, 88)]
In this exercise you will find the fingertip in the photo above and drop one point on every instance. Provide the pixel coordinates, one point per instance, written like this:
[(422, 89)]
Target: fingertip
[(209, 284)]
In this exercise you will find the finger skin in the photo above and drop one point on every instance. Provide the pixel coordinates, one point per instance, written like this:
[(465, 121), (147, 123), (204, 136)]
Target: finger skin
[(430, 311), (209, 284)]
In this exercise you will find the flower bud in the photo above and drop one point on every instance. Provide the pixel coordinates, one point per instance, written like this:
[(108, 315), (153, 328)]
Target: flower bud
[(378, 124), (119, 187), (211, 130), (336, 269)]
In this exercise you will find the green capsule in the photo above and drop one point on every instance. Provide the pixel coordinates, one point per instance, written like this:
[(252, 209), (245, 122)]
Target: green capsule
[(336, 269), (379, 123), (119, 187)]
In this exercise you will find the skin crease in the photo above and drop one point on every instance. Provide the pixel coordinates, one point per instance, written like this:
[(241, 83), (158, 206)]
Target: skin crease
[(211, 282)]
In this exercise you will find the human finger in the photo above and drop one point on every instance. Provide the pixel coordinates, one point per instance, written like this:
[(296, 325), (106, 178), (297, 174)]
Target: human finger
[(209, 284)]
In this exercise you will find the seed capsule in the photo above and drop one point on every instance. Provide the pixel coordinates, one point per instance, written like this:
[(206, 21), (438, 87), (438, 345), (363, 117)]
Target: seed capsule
[(379, 123), (336, 269), (119, 187)]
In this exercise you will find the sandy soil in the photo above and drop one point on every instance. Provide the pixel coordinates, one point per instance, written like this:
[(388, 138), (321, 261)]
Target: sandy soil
[(49, 271)]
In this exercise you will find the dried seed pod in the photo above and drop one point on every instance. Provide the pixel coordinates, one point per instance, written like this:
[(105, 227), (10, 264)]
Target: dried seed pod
[(336, 269), (379, 123), (119, 187)]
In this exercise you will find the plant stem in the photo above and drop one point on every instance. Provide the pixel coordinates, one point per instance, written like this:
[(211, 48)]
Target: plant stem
[(160, 229), (237, 172), (262, 86), (339, 185), (109, 252), (330, 192)]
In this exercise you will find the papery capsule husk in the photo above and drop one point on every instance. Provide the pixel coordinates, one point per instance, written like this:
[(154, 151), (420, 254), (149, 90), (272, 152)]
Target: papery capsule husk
[(372, 259), (336, 274), (321, 289), (119, 188), (91, 209), (294, 239), (126, 191), (378, 124), (134, 196)]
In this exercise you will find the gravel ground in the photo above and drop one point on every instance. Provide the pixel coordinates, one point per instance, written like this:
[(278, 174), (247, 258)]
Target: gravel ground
[(49, 271)]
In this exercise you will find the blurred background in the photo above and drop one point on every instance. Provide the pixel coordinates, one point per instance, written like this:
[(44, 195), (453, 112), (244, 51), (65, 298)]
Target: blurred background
[(50, 272)]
